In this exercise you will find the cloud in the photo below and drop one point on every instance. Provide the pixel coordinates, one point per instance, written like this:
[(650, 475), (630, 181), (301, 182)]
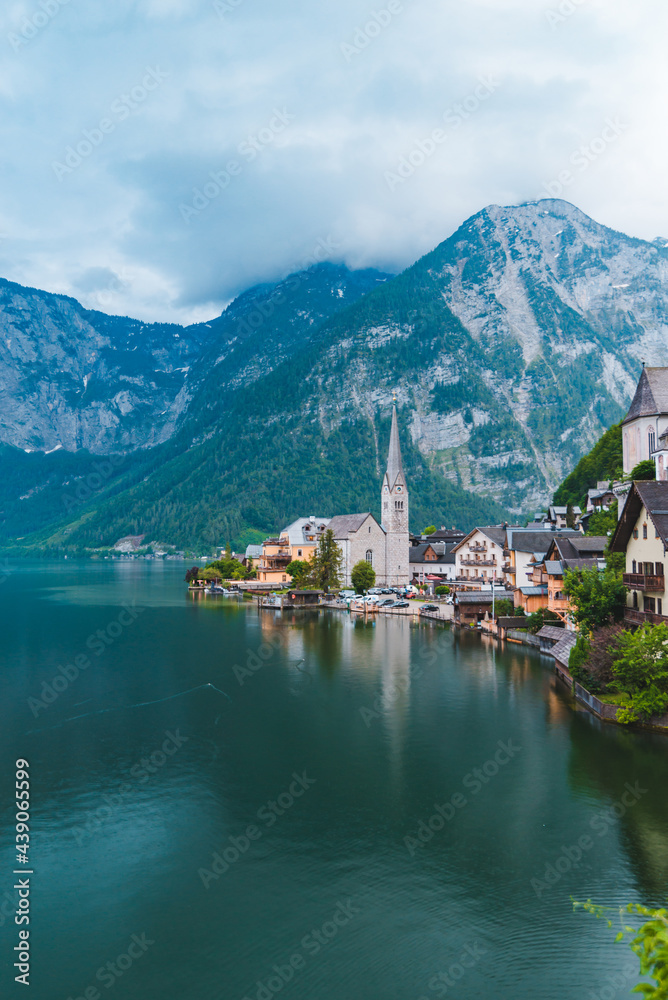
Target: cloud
[(144, 104)]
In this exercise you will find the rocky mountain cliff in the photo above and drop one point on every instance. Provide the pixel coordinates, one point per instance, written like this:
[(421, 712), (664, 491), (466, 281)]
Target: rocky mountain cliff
[(511, 347)]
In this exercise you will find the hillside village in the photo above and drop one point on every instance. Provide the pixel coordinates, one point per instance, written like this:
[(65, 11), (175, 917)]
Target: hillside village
[(500, 577)]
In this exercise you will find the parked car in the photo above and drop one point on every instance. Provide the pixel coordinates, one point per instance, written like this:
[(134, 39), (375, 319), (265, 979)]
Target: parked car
[(429, 607), (387, 603), (347, 594), (374, 591), (401, 604)]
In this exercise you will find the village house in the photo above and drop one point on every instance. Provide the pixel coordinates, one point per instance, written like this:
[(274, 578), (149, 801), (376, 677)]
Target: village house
[(473, 607), (298, 541), (432, 563), (642, 533), (522, 548), (564, 553), (479, 558)]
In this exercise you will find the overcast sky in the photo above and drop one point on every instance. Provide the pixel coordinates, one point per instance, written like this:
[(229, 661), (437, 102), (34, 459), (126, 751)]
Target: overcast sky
[(115, 115)]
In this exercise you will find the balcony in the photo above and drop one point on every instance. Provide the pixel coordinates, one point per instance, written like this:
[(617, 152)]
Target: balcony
[(478, 562), (644, 582), (477, 548), (637, 617)]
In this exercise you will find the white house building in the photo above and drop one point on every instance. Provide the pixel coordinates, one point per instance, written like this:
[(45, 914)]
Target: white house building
[(647, 419)]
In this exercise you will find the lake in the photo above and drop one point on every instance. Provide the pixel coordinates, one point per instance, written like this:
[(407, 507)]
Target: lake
[(229, 803)]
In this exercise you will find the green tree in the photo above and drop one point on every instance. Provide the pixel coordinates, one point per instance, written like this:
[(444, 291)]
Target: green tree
[(443, 590), (603, 522), (226, 569), (541, 617), (504, 608), (649, 942), (644, 470), (430, 530), (641, 668), (325, 563), (597, 596), (299, 570), (570, 515), (363, 576)]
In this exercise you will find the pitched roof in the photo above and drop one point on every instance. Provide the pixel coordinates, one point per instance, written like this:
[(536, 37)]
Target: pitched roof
[(577, 546), (563, 648), (394, 464), (298, 532), (477, 597), (654, 497), (343, 524), (539, 591), (417, 553), (651, 394), (551, 632), (535, 541)]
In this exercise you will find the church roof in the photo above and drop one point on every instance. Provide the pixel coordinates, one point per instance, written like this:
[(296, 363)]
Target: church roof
[(394, 464), (344, 524), (651, 394)]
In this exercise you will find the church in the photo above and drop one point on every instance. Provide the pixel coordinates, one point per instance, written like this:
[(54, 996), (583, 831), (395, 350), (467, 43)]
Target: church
[(384, 546)]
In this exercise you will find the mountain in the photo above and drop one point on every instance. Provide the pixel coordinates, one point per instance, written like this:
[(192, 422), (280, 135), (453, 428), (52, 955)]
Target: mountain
[(511, 348)]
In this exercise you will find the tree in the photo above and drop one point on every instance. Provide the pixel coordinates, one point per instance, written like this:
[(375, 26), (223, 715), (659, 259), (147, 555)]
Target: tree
[(504, 608), (430, 530), (644, 470), (226, 569), (603, 522), (641, 669), (591, 658), (649, 942), (299, 571), (541, 617), (325, 563), (570, 515), (596, 596), (443, 591), (363, 576), (192, 575)]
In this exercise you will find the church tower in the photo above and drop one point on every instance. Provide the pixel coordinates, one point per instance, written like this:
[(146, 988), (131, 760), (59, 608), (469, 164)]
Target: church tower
[(394, 517)]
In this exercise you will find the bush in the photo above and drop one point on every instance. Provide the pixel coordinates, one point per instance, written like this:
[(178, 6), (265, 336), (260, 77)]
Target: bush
[(442, 591), (363, 576), (504, 608), (541, 617), (641, 668)]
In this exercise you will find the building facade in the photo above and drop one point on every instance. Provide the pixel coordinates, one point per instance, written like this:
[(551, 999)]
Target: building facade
[(642, 533), (647, 418), (298, 541), (360, 538)]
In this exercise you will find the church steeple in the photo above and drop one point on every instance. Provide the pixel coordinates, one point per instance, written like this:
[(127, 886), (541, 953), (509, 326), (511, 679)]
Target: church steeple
[(394, 464), (394, 507)]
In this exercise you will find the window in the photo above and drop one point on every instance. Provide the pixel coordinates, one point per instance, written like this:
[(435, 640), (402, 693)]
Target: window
[(635, 532), (651, 439), (369, 529), (369, 557), (299, 552), (644, 531), (633, 566), (658, 569), (398, 505), (635, 599), (385, 505), (649, 604), (659, 610)]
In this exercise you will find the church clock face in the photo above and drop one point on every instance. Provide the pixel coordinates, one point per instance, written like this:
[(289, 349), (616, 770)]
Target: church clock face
[(385, 489), (400, 489)]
